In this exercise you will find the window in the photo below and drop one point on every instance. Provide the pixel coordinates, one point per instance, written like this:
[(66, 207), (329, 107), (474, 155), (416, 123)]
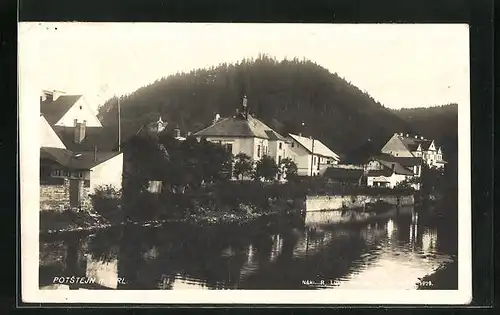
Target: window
[(229, 147), (279, 159), (280, 145), (293, 144), (80, 106), (314, 161), (258, 150), (56, 173)]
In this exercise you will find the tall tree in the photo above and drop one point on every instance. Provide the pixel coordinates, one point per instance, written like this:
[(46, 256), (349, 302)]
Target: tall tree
[(266, 168), (243, 165)]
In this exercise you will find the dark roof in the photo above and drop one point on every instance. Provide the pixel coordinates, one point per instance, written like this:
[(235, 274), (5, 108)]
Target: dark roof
[(273, 135), (412, 143), (53, 111), (383, 172), (343, 174), (404, 161), (238, 126), (69, 159), (104, 138)]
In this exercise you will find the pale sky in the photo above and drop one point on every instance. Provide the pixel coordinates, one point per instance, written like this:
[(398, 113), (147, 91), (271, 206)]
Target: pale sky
[(399, 65)]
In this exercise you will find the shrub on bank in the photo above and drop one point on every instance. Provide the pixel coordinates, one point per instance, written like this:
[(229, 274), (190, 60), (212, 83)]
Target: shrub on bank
[(106, 201)]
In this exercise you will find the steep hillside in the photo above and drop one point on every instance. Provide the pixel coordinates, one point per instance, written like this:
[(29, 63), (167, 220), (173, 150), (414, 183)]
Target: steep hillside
[(281, 93)]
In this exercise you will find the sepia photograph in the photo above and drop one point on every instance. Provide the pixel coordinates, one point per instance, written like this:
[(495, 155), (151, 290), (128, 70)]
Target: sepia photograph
[(247, 163)]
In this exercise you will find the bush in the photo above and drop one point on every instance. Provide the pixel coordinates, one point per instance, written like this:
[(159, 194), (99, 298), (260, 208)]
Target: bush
[(106, 201)]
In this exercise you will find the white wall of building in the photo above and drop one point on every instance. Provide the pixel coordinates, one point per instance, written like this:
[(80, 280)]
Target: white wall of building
[(80, 111), (48, 138), (107, 173)]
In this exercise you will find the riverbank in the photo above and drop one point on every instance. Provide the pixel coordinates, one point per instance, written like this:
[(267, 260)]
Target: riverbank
[(444, 278), (71, 221)]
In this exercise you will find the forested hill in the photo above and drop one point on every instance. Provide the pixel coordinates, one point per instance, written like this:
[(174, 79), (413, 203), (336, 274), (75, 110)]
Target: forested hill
[(283, 94)]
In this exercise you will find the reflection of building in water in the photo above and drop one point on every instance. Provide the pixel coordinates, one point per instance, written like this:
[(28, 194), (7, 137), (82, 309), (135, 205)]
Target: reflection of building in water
[(318, 218), (371, 235), (390, 228), (276, 247), (151, 254), (251, 265), (105, 273), (429, 240), (312, 243), (185, 283), (52, 254), (413, 229)]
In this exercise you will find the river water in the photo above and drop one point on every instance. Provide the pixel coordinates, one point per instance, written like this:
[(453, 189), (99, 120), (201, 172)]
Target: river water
[(283, 253)]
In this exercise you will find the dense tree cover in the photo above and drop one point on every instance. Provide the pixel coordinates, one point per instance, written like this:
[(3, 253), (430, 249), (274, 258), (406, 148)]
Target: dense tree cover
[(281, 93)]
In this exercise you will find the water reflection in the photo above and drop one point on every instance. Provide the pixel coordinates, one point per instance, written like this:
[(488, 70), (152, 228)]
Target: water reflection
[(375, 254)]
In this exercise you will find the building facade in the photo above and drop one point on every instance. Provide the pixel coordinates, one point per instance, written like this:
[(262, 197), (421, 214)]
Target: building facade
[(74, 159), (311, 155), (405, 145), (389, 171), (246, 134)]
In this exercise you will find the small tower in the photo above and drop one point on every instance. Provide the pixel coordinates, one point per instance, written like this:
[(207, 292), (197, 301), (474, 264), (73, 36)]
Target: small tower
[(160, 125)]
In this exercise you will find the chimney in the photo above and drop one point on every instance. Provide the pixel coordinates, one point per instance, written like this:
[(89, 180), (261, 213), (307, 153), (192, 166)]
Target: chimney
[(421, 138), (216, 118), (56, 94), (416, 137), (47, 96), (79, 131), (177, 133), (300, 134), (245, 107), (407, 135)]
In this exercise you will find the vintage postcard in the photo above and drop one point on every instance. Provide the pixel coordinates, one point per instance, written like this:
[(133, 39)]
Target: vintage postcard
[(190, 163)]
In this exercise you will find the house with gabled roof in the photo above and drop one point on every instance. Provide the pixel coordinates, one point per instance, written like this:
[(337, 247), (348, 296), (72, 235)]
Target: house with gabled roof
[(405, 145), (74, 159), (311, 155), (385, 170), (63, 110), (244, 133)]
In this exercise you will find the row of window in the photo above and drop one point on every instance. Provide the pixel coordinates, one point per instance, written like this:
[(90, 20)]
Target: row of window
[(61, 173)]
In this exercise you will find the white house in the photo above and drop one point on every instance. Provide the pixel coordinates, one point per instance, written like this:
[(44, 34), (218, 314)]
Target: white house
[(68, 178), (388, 171), (311, 155), (400, 145), (74, 157), (244, 133), (64, 110)]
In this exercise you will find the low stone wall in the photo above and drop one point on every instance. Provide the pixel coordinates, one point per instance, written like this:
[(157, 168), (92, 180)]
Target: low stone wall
[(54, 197), (319, 203)]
